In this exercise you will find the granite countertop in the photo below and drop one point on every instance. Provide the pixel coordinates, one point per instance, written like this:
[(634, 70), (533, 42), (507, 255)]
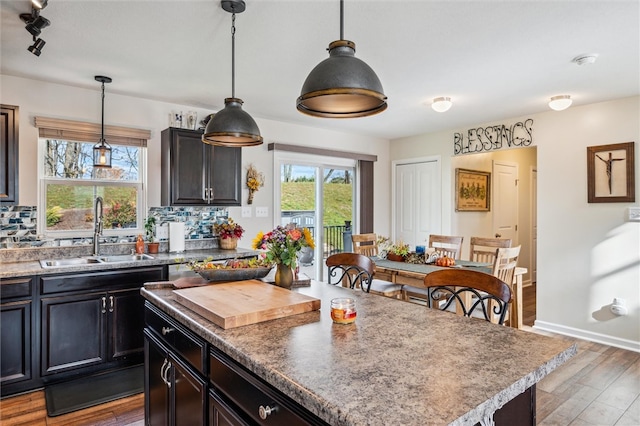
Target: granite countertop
[(31, 264), (399, 363)]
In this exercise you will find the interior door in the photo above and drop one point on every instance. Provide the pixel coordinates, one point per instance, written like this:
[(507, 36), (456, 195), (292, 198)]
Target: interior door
[(505, 200), (418, 202)]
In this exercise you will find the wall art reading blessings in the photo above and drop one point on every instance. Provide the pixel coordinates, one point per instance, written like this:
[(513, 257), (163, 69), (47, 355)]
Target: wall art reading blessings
[(492, 138)]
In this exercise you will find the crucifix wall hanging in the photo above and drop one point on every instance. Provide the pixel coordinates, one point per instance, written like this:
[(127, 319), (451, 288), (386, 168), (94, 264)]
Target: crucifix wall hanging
[(610, 173)]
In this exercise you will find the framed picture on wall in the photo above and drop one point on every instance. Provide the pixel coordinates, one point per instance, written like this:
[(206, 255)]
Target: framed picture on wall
[(610, 173), (473, 190)]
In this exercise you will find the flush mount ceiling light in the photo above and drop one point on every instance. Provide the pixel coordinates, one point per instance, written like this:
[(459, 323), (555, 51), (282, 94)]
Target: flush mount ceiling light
[(102, 150), (559, 103), (342, 86), (441, 104), (585, 59), (232, 126)]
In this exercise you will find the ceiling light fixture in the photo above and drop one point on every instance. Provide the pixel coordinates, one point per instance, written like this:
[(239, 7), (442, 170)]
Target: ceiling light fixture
[(36, 25), (441, 104), (342, 86), (585, 59), (561, 102), (102, 150), (36, 47), (232, 126)]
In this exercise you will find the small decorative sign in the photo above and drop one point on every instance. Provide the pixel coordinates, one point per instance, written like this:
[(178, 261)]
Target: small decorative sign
[(473, 190), (610, 173), (493, 138)]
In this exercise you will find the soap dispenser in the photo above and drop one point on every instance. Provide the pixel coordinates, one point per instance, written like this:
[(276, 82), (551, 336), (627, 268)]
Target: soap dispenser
[(140, 244)]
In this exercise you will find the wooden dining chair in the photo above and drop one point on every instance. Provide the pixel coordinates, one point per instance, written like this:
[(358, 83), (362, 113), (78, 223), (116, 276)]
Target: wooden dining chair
[(475, 294), (355, 270), (366, 244), (504, 265), (446, 245), (484, 249)]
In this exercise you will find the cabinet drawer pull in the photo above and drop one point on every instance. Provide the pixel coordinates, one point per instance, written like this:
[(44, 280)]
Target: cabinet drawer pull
[(264, 412), (104, 304), (164, 371), (167, 330), (110, 303)]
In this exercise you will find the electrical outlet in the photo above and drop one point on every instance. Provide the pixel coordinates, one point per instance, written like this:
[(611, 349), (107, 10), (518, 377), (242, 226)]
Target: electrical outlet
[(262, 211), (162, 232), (633, 214), (246, 211)]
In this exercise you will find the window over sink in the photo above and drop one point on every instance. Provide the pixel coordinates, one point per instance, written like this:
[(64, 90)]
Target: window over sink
[(69, 184)]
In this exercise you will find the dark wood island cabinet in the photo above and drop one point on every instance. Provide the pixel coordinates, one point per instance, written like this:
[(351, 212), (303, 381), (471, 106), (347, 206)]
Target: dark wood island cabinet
[(194, 173)]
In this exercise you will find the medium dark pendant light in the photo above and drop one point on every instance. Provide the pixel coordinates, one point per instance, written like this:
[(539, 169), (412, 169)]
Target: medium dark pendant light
[(342, 86), (102, 150), (232, 126)]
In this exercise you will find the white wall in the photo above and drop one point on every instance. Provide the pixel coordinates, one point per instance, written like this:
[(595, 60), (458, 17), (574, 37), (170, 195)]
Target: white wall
[(37, 98), (587, 253)]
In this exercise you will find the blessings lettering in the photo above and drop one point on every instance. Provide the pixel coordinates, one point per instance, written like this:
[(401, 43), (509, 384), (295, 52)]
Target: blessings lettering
[(492, 138)]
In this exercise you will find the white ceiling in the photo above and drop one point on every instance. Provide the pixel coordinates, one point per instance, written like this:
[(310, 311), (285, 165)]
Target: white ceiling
[(495, 59)]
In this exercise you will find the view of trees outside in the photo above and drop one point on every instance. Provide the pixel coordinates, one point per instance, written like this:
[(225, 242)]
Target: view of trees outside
[(72, 184)]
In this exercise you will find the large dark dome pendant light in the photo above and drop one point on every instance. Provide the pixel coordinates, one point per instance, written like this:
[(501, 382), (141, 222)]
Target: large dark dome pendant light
[(232, 126), (342, 86), (102, 150)]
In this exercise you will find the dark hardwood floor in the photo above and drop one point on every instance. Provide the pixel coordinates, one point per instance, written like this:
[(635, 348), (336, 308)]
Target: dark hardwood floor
[(599, 386)]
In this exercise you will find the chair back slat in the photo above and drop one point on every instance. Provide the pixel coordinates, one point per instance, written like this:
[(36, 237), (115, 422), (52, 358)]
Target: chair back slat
[(484, 249), (446, 245), (505, 263), (365, 244), (474, 292)]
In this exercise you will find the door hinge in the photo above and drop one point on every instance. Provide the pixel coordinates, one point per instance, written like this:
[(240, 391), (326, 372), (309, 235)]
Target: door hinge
[(517, 181), (516, 227)]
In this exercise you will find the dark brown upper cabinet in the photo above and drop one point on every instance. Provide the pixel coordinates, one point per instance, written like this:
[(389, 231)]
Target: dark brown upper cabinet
[(9, 124), (198, 174)]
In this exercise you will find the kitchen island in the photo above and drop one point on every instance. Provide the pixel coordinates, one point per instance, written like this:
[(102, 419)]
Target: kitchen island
[(399, 363)]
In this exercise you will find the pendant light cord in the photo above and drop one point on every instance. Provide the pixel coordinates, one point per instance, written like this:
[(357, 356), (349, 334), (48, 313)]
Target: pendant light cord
[(233, 55), (341, 19), (102, 128)]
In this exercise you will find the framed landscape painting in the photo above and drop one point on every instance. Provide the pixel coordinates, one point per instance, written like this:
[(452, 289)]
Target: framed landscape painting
[(473, 190), (610, 173)]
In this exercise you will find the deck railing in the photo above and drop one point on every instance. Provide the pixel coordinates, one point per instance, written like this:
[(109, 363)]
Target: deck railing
[(332, 237)]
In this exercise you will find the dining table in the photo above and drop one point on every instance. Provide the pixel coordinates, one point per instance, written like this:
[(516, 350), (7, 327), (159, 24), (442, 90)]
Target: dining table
[(413, 274)]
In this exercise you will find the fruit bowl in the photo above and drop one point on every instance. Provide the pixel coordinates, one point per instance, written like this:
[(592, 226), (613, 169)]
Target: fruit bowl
[(233, 274)]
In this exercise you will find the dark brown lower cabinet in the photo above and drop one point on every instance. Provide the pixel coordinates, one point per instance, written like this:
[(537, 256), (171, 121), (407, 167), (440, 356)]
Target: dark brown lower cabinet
[(92, 321), (16, 333)]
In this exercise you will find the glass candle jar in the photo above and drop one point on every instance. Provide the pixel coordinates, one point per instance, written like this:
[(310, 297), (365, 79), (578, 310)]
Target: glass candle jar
[(343, 310)]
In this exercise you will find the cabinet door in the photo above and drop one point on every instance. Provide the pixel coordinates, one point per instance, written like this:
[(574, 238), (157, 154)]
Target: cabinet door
[(126, 323), (73, 332), (189, 395), (220, 414), (184, 172), (15, 345), (9, 124), (156, 391), (225, 178)]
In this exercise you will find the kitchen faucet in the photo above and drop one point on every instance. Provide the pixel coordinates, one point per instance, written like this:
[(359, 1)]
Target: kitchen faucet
[(97, 225)]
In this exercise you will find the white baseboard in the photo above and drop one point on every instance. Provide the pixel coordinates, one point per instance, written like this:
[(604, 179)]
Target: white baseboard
[(588, 335)]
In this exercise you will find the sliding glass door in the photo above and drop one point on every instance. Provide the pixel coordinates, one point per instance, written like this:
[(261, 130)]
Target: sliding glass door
[(318, 194)]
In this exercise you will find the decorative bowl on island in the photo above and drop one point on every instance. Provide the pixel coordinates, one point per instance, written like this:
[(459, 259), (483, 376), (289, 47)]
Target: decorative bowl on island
[(231, 270)]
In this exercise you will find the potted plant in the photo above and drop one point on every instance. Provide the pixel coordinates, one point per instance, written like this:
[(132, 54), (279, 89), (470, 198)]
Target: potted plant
[(229, 233), (149, 230), (398, 251)]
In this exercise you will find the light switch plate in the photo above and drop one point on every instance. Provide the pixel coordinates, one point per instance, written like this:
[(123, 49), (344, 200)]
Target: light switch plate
[(262, 211), (246, 211), (633, 214)]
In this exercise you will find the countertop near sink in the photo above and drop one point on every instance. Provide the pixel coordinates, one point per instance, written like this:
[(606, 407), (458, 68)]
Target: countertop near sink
[(15, 269)]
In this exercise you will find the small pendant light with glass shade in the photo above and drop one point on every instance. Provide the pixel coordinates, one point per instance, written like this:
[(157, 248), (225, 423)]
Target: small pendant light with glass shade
[(102, 150), (342, 86), (232, 126)]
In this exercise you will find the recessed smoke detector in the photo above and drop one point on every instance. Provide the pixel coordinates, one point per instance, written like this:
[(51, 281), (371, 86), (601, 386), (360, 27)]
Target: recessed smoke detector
[(585, 59)]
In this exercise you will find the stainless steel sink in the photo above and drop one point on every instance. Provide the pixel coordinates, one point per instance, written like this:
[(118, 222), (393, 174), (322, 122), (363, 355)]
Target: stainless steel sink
[(74, 261), (125, 258), (78, 261)]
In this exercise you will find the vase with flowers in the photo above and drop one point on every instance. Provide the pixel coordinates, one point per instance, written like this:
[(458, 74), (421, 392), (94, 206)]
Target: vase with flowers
[(229, 233), (281, 247)]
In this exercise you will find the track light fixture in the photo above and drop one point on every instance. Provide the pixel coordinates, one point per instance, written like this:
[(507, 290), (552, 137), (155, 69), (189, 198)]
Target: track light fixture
[(35, 24), (36, 47)]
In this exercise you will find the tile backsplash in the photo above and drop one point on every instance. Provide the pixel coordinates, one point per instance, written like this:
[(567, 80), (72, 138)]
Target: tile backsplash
[(18, 226)]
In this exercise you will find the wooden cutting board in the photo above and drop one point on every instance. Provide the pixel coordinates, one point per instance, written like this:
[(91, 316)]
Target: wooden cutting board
[(239, 303)]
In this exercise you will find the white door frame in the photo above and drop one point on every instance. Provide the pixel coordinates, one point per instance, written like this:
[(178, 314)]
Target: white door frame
[(429, 159)]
